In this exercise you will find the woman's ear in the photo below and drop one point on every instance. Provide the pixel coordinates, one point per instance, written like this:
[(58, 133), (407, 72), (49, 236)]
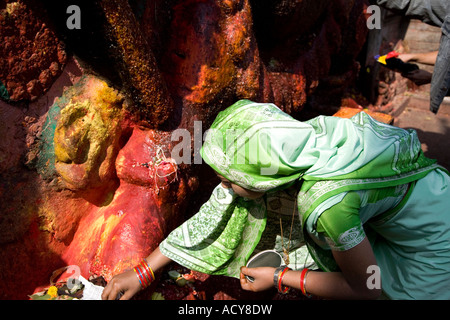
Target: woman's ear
[(225, 183)]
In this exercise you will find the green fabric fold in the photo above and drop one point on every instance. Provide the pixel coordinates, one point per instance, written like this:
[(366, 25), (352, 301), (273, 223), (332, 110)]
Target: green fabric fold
[(220, 238)]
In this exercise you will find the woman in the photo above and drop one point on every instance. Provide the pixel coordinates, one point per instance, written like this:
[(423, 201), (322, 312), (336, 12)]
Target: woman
[(366, 198)]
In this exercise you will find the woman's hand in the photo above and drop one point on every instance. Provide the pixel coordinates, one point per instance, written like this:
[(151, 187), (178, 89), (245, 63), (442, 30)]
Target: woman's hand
[(126, 283), (263, 278), (406, 57)]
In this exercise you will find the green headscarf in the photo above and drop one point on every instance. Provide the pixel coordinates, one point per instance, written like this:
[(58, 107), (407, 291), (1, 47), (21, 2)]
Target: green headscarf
[(259, 147)]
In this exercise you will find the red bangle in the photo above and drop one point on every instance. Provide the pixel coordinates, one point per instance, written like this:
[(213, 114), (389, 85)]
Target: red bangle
[(144, 273), (148, 270), (281, 288), (302, 281), (142, 279)]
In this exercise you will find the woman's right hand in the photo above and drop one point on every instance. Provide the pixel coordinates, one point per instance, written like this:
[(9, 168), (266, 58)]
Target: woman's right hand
[(406, 57), (126, 283)]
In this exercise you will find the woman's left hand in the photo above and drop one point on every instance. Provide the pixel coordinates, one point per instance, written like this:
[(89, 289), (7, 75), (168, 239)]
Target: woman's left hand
[(263, 278)]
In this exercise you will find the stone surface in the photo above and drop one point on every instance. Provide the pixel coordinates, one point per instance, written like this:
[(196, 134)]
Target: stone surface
[(432, 129), (32, 55), (347, 112)]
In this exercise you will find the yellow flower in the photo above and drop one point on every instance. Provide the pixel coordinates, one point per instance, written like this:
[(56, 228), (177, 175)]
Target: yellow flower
[(52, 292)]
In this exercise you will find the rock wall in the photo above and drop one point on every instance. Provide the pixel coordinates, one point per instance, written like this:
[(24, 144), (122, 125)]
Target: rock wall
[(87, 115)]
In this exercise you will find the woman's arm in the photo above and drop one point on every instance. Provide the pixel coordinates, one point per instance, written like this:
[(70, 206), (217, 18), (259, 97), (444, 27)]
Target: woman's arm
[(351, 283), (128, 283), (422, 57)]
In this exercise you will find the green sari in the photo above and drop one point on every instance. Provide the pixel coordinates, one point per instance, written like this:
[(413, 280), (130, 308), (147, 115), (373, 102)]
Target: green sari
[(261, 148)]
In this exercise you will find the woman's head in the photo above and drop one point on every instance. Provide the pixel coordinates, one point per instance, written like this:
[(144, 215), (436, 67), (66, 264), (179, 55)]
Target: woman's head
[(253, 145)]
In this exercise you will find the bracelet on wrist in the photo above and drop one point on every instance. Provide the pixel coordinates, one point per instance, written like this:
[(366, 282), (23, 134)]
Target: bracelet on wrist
[(278, 279), (303, 282), (144, 273)]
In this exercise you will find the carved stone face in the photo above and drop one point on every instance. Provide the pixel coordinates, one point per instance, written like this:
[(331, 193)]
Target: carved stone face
[(87, 136)]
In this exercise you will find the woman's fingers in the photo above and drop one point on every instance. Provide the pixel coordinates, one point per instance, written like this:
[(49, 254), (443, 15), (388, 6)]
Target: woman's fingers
[(111, 290), (127, 295), (105, 293), (245, 283), (254, 273), (126, 283), (263, 278)]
